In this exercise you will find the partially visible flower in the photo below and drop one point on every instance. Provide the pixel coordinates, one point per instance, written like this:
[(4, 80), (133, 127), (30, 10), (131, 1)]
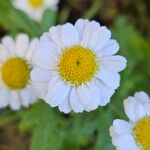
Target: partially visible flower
[(76, 69), (135, 134), (16, 88), (35, 8)]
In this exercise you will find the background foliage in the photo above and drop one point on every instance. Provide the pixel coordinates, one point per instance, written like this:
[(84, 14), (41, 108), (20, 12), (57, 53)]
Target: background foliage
[(43, 128)]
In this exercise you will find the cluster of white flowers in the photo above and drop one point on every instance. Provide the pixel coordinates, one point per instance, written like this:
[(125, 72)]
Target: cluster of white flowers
[(74, 68)]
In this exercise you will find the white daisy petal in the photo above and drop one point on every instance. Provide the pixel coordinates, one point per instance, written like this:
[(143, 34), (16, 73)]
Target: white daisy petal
[(89, 96), (34, 95), (147, 108), (53, 80), (45, 55), (4, 55), (25, 97), (37, 14), (41, 89), (134, 108), (52, 3), (110, 48), (57, 93), (40, 75), (48, 45), (65, 106), (111, 79), (114, 63), (31, 49), (121, 124), (4, 99), (126, 142), (104, 37), (75, 103), (129, 106), (140, 111), (80, 25), (69, 35), (55, 33), (142, 97), (15, 102), (94, 39), (22, 42), (46, 37), (105, 92), (90, 27), (9, 44), (113, 134)]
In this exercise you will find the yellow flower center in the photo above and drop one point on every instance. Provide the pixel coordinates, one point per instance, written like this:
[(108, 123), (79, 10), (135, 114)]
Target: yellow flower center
[(77, 65), (35, 3), (15, 73), (142, 133)]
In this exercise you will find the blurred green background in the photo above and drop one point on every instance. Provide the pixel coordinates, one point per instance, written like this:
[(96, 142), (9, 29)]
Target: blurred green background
[(43, 128)]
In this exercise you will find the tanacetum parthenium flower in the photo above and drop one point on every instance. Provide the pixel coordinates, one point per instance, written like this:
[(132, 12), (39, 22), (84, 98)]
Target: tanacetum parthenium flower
[(35, 8), (76, 69), (16, 88), (135, 133)]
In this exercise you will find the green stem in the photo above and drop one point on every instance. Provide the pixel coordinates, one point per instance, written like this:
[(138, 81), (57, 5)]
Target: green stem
[(93, 10), (63, 15), (117, 110)]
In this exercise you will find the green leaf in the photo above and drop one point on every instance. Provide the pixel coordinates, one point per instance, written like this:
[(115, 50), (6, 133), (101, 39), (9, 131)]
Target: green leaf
[(103, 141), (15, 21), (49, 19)]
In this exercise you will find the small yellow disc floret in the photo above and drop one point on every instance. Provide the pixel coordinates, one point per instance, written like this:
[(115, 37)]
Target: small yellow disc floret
[(15, 73), (77, 65), (142, 133), (35, 3)]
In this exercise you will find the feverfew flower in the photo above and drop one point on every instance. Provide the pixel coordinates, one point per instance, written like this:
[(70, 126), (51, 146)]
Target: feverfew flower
[(135, 134), (16, 89), (35, 8), (76, 69)]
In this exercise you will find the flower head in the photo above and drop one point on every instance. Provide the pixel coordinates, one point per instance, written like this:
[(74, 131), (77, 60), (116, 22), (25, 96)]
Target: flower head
[(135, 134), (76, 69), (35, 8), (16, 63)]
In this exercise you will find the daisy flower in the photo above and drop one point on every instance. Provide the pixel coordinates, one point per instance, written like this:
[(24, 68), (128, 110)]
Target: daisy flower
[(76, 69), (134, 134), (16, 89), (35, 8)]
